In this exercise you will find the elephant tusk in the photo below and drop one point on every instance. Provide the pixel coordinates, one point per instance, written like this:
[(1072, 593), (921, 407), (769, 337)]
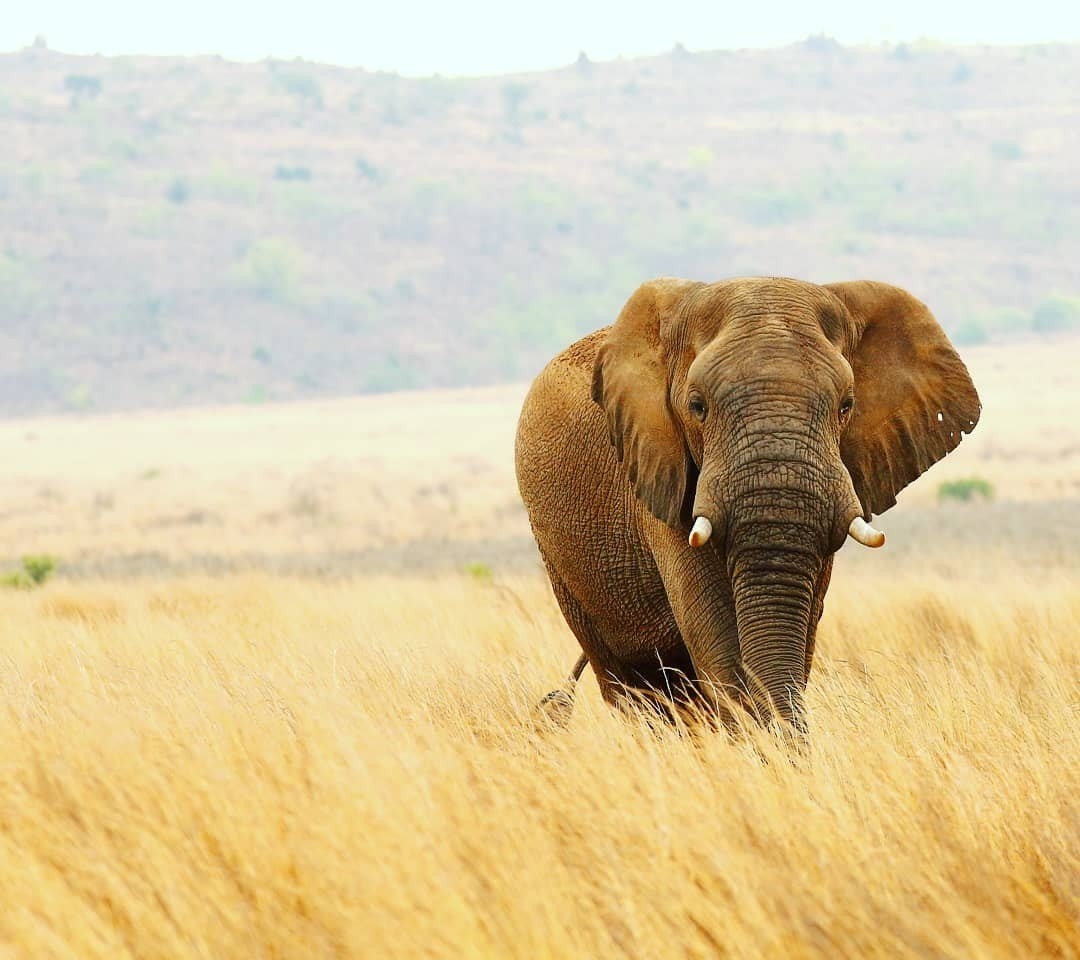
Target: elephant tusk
[(700, 533), (866, 535)]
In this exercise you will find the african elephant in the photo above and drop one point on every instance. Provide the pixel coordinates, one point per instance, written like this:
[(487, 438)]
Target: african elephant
[(690, 471)]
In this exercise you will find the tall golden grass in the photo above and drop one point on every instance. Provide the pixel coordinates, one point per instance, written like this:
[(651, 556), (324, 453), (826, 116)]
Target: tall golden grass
[(262, 767)]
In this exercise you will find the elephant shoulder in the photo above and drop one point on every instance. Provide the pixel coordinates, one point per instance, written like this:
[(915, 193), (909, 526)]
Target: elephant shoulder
[(560, 399), (583, 353), (566, 381)]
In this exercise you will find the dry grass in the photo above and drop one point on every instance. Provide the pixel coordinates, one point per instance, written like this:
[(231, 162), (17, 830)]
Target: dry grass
[(261, 767), (266, 766)]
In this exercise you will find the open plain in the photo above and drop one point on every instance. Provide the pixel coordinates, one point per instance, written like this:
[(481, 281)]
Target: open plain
[(276, 702)]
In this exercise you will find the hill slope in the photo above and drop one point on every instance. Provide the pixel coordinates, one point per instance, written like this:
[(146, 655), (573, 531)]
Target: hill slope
[(179, 231)]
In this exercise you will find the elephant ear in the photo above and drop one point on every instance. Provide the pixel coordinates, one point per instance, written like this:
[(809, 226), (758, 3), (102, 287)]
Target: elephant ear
[(630, 381), (914, 398)]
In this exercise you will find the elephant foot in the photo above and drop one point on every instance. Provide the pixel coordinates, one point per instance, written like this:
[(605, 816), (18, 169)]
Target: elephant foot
[(556, 708)]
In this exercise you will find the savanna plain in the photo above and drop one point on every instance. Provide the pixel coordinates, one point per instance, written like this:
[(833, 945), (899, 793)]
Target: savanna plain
[(276, 702)]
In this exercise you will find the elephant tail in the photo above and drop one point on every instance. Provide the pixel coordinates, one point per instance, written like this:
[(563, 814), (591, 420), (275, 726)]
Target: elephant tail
[(556, 707)]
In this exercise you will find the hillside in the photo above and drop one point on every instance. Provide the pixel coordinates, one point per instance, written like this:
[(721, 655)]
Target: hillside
[(194, 231)]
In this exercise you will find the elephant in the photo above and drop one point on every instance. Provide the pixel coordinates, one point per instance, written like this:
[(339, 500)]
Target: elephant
[(690, 471)]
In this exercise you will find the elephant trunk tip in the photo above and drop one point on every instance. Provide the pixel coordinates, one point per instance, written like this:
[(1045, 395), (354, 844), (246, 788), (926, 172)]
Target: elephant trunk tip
[(700, 532)]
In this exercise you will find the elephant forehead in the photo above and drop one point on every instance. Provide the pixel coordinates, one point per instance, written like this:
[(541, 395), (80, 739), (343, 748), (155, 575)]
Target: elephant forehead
[(767, 348), (777, 294), (753, 305)]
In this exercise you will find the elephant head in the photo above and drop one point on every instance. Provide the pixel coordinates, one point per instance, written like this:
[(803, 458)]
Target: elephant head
[(768, 419)]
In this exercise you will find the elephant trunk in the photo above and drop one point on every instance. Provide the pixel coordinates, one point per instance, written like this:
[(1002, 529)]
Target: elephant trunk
[(775, 515), (773, 589)]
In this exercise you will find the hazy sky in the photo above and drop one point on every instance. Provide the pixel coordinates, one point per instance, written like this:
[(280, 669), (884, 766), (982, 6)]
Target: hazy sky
[(494, 36)]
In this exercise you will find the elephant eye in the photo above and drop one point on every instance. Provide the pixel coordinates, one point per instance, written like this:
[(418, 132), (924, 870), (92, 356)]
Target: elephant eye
[(697, 407), (845, 406)]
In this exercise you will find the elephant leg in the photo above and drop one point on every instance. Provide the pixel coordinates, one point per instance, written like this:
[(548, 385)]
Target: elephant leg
[(665, 687), (556, 707), (623, 686), (701, 602)]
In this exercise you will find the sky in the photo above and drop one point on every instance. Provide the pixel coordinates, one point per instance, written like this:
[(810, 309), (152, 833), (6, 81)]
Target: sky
[(422, 37)]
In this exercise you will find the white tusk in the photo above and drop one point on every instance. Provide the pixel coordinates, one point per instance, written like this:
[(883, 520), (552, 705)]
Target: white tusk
[(700, 533), (866, 535)]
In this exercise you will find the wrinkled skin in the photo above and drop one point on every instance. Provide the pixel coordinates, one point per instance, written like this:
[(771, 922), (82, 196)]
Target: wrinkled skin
[(777, 409)]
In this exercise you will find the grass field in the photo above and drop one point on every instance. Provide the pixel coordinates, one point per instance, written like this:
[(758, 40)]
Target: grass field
[(213, 755)]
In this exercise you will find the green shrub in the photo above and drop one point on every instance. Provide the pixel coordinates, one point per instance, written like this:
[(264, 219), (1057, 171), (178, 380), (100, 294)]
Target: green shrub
[(1055, 314), (387, 373), (39, 567), (822, 43), (36, 569), (961, 73), (81, 85), (979, 326), (179, 191), (297, 172), (479, 571), (969, 333), (965, 489), (303, 86), (20, 293), (366, 169), (514, 94), (271, 268)]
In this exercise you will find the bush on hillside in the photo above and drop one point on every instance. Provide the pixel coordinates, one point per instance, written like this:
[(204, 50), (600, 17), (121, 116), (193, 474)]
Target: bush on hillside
[(81, 85), (966, 489), (1056, 314), (179, 191), (303, 86), (366, 169), (19, 292), (295, 172), (272, 268)]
